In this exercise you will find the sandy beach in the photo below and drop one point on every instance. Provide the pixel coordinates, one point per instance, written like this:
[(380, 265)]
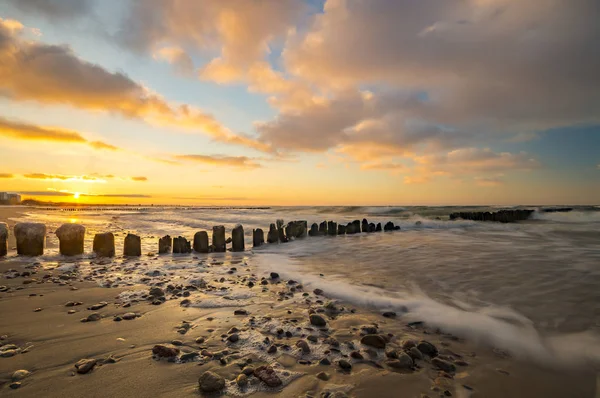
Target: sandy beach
[(232, 321)]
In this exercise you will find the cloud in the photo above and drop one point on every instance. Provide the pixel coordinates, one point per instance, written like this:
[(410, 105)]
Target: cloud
[(139, 179), (29, 132), (70, 194), (64, 178), (54, 9), (51, 74), (489, 181), (221, 160), (177, 57), (6, 175)]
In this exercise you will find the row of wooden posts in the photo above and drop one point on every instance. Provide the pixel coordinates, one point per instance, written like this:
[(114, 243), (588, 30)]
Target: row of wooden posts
[(31, 238)]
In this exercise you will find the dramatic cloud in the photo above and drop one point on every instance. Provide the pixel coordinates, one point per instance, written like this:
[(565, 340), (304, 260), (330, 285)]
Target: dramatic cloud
[(53, 9), (178, 58), (220, 160), (55, 75), (30, 132), (6, 175)]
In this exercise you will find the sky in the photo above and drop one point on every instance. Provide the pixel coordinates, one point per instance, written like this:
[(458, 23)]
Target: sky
[(301, 102)]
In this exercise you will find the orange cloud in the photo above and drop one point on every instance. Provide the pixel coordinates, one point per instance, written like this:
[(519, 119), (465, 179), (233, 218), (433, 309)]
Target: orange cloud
[(6, 175), (24, 131), (139, 178), (220, 160), (60, 177), (51, 74)]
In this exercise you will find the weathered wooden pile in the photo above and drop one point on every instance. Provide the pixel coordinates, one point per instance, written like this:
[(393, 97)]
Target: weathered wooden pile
[(31, 238), (504, 216)]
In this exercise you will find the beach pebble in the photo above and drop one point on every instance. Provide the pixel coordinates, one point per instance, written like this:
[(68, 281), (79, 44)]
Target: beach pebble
[(20, 374), (242, 380), (211, 382), (15, 385), (98, 306), (374, 340), (272, 350), (240, 312), (268, 376), (200, 340), (117, 318), (92, 318), (37, 310), (317, 320), (403, 362), (318, 292), (367, 329), (8, 353), (345, 365), (415, 353), (189, 356), (73, 303), (129, 316), (356, 355), (234, 338), (323, 376), (274, 275), (427, 348), (248, 371), (177, 342), (163, 351), (443, 365), (303, 345), (71, 312), (83, 366), (389, 314), (156, 292)]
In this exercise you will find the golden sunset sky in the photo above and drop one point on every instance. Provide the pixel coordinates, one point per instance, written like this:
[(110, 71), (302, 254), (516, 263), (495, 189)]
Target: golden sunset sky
[(290, 102)]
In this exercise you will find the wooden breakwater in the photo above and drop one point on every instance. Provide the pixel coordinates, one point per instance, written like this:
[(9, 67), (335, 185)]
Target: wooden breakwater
[(503, 216), (31, 238)]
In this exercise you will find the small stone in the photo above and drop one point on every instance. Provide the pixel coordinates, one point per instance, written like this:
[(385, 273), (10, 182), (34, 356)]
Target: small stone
[(389, 314), (356, 355), (242, 380), (117, 318), (268, 376), (15, 385), (200, 340), (129, 316), (303, 345), (98, 306), (325, 362), (37, 310), (177, 342), (163, 351), (414, 353), (345, 365), (274, 275), (85, 365), (188, 356), (318, 292), (240, 312), (211, 382), (20, 374), (272, 350), (374, 340), (323, 376), (317, 320), (312, 338), (73, 303), (92, 318), (248, 371), (403, 362), (427, 348), (443, 365), (8, 353), (234, 338)]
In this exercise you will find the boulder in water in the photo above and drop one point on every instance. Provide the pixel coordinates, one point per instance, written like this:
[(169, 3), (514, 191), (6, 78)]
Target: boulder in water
[(258, 237), (3, 239), (31, 238), (132, 246), (104, 245), (164, 244), (201, 242), (70, 238), (237, 239), (218, 238)]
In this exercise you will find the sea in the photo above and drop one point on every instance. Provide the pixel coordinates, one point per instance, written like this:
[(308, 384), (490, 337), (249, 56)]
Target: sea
[(532, 288)]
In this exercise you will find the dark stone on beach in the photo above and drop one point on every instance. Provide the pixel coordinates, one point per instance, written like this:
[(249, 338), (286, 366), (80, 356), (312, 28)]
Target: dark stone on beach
[(240, 312), (163, 351), (389, 314), (268, 376), (325, 362), (427, 348), (189, 356), (248, 371), (92, 318), (83, 366), (341, 229), (301, 229), (317, 320), (403, 361), (273, 235), (164, 244), (443, 365), (353, 227), (31, 238), (258, 237), (70, 238), (345, 365), (98, 306), (323, 228), (218, 238), (414, 353), (318, 292), (129, 316), (132, 246), (3, 239), (20, 374), (272, 350), (211, 382), (237, 238), (332, 228), (378, 227), (314, 230), (281, 235), (233, 338), (14, 385), (374, 340), (274, 275), (241, 380), (201, 242), (104, 245), (323, 376), (156, 291), (181, 245), (356, 355), (303, 345)]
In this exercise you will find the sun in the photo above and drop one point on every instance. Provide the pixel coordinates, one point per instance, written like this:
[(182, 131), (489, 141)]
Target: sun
[(76, 195)]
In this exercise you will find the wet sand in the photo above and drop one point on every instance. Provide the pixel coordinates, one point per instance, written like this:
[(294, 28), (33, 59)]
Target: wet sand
[(197, 316)]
